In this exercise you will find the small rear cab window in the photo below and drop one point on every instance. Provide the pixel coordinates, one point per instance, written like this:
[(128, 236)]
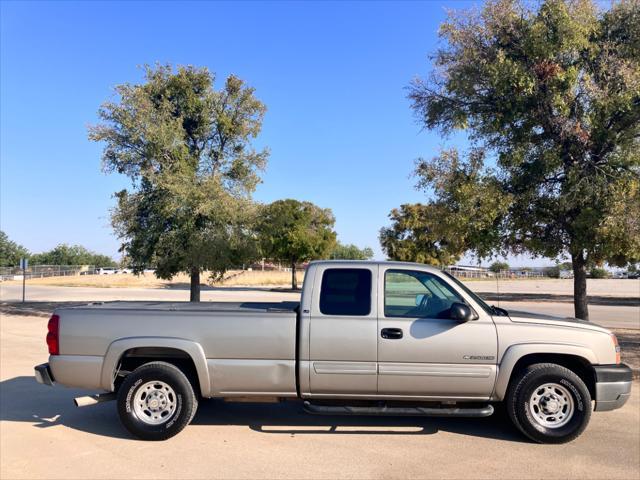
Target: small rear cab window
[(346, 291)]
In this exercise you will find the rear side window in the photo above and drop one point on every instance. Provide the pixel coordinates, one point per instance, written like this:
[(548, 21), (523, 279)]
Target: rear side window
[(346, 291)]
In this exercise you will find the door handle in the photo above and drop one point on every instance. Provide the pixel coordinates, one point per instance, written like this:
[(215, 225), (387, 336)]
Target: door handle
[(391, 333)]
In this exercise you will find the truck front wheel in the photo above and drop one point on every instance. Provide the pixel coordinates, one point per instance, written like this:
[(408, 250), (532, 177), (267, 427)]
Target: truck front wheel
[(156, 401), (549, 403)]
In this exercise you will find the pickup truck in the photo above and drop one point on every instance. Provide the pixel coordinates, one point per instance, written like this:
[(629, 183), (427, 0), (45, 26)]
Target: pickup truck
[(367, 338)]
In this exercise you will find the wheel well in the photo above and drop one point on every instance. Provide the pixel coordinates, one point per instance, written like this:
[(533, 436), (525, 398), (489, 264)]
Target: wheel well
[(578, 365), (136, 357)]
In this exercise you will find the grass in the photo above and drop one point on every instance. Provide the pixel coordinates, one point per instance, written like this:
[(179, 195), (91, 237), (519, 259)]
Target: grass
[(149, 280), (258, 278)]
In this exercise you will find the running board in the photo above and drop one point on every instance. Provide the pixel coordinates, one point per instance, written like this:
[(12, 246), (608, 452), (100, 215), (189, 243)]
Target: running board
[(315, 409)]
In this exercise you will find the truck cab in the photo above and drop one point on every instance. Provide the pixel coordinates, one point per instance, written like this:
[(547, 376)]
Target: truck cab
[(395, 331)]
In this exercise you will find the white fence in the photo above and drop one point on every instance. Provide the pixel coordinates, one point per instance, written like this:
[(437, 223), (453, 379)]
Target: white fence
[(487, 274), (41, 271)]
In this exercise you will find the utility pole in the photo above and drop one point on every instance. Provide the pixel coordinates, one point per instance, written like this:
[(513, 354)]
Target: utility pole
[(24, 263)]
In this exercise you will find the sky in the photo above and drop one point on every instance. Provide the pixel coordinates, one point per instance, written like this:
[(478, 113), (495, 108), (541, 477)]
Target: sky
[(332, 74)]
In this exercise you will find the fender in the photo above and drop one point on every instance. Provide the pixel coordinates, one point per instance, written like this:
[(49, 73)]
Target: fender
[(117, 348), (516, 352)]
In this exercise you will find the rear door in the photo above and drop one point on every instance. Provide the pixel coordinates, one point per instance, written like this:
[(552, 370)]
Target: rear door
[(421, 351), (343, 330)]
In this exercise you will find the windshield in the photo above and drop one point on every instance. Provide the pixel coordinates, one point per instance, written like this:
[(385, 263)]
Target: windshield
[(478, 300)]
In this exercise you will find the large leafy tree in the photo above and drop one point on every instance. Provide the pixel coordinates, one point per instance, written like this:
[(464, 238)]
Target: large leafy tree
[(187, 149), (10, 251), (552, 91), (294, 232)]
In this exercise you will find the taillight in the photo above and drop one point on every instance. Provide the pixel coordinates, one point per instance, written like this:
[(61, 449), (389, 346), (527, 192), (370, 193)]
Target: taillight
[(53, 339), (616, 346)]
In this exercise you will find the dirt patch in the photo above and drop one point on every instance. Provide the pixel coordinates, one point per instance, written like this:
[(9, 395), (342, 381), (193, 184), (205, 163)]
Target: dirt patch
[(149, 280)]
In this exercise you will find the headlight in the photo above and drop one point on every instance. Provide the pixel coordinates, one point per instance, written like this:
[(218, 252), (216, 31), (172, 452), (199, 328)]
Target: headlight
[(616, 346)]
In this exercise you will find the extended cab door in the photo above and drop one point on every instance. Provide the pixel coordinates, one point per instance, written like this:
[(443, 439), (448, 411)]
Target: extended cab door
[(421, 351), (343, 330)]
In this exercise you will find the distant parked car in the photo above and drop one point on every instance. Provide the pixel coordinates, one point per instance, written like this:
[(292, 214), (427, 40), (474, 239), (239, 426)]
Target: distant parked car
[(106, 271), (633, 275), (124, 270), (566, 274)]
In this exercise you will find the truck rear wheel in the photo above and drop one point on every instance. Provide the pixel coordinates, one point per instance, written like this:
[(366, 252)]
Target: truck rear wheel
[(549, 403), (156, 401)]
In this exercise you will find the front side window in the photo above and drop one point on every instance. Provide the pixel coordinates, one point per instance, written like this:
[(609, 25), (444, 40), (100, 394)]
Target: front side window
[(346, 291), (409, 293)]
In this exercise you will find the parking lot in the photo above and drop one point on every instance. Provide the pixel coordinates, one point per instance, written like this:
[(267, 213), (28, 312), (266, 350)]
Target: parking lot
[(42, 434)]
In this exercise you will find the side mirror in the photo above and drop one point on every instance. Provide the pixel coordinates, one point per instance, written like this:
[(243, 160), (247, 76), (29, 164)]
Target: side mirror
[(419, 299), (462, 313)]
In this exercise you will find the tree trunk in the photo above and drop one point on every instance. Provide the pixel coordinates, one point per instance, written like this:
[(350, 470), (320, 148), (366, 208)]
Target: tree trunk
[(294, 280), (195, 285), (580, 301)]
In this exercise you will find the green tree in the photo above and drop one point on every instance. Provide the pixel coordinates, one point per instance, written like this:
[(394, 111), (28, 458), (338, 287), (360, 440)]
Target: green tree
[(466, 212), (64, 254), (553, 272), (10, 251), (292, 231), (497, 267), (552, 91), (188, 151), (350, 252), (599, 273)]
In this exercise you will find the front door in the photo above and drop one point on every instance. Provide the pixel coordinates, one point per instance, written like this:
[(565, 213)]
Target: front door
[(424, 353), (343, 331)]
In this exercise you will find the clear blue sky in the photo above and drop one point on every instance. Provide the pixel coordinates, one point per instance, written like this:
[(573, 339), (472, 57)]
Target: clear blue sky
[(333, 77)]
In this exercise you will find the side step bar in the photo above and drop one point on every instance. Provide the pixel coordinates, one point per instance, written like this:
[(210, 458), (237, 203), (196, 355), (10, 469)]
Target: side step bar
[(315, 409)]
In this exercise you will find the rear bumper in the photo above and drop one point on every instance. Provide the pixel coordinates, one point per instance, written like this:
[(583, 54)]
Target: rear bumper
[(43, 374), (613, 386)]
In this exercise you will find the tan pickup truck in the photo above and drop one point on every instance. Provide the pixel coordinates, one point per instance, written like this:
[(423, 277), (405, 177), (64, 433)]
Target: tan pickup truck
[(367, 338)]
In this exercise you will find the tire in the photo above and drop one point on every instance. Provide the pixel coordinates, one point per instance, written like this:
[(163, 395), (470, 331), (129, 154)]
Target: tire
[(548, 403), (156, 401)]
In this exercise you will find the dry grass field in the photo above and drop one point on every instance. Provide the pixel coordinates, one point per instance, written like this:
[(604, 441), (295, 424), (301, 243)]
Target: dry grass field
[(149, 280)]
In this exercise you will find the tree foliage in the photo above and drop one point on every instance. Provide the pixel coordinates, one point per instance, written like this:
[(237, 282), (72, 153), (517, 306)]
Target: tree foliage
[(551, 91), (187, 149), (343, 251), (64, 254), (497, 267), (465, 214), (294, 232), (598, 273), (10, 251)]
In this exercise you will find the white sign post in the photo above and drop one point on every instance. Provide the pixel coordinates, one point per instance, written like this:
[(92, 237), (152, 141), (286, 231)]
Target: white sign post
[(24, 263)]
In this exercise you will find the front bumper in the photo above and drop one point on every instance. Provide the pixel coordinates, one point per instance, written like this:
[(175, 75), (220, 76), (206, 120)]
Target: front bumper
[(613, 386), (43, 374)]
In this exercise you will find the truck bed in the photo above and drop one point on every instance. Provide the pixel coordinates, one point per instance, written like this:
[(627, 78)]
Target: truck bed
[(248, 347), (208, 307)]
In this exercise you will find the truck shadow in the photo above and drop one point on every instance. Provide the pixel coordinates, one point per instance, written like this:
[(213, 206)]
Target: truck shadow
[(24, 400), (289, 418)]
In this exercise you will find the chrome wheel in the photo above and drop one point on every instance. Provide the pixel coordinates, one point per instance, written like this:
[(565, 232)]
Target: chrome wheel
[(551, 405), (154, 402)]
